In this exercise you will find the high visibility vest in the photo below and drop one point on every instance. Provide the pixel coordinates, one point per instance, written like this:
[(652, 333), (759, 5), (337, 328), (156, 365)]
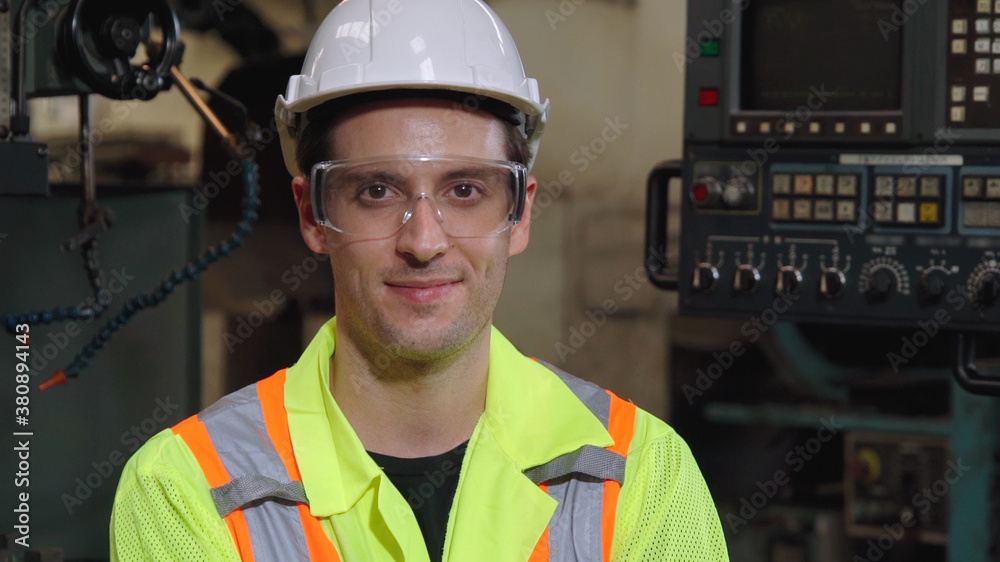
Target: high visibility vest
[(243, 446)]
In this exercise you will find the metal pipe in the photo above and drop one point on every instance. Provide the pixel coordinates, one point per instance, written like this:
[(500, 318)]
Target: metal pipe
[(191, 93), (87, 157)]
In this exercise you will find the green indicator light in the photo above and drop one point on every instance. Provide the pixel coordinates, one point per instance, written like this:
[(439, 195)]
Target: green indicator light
[(710, 48)]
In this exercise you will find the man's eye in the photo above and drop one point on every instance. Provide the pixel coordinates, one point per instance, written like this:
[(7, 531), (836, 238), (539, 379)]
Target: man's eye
[(465, 191), (375, 191)]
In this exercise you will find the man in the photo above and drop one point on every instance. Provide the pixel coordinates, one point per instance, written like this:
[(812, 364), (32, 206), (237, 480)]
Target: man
[(410, 429)]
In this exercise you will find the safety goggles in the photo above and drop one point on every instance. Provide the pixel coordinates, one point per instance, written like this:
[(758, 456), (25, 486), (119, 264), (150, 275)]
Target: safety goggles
[(373, 198)]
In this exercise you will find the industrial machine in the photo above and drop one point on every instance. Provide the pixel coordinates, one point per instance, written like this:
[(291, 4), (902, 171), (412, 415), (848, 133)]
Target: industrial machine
[(841, 169), (61, 315)]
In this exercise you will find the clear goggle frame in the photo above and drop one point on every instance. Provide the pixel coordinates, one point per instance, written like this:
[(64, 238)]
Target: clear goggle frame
[(373, 198)]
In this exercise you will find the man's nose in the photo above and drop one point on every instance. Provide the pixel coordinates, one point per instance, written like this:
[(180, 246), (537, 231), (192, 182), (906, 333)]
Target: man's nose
[(423, 236)]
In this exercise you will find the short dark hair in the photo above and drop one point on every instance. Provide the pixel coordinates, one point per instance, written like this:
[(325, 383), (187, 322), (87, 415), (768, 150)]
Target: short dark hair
[(314, 137)]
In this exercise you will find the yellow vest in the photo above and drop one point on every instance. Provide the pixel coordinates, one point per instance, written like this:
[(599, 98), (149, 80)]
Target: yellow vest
[(165, 508)]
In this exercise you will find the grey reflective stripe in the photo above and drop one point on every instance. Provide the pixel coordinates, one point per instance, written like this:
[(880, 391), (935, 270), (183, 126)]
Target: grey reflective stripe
[(575, 531), (251, 488), (590, 460), (576, 481), (594, 397), (239, 435)]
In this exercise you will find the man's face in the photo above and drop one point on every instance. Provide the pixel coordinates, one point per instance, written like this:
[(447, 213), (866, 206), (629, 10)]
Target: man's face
[(419, 294)]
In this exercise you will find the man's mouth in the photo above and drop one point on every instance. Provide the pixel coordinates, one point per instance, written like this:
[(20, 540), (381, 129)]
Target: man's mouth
[(423, 291)]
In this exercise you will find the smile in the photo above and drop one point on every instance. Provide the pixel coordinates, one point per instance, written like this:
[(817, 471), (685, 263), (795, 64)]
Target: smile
[(423, 291)]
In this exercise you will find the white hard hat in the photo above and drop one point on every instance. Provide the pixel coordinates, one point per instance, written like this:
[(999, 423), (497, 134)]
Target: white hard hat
[(384, 45)]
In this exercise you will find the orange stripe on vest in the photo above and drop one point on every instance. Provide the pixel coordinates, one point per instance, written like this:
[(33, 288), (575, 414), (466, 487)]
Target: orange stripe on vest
[(621, 426), (271, 392), (196, 437)]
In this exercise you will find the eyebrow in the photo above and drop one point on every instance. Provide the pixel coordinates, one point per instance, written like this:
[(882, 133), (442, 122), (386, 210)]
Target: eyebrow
[(396, 179)]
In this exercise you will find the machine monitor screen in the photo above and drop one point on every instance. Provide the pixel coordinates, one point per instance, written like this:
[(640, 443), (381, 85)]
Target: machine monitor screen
[(792, 48)]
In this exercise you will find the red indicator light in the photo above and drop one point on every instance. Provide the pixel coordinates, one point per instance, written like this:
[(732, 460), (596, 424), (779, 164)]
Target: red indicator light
[(700, 192), (708, 96)]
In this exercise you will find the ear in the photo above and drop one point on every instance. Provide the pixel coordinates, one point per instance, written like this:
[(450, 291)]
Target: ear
[(312, 232), (519, 234)]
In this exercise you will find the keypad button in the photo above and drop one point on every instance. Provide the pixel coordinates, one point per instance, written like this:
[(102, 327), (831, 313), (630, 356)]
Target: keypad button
[(993, 188), (981, 93), (866, 127), (839, 127), (906, 186), (890, 128), (741, 127), (802, 210), (972, 188), (983, 6), (845, 211), (996, 25), (996, 44), (781, 184), (814, 127), (982, 66), (930, 213), (982, 45), (959, 46), (959, 26), (958, 94), (982, 25), (930, 186), (789, 128), (824, 184), (906, 212), (883, 211), (847, 185), (803, 184), (765, 128), (975, 214), (883, 186), (996, 66), (781, 209), (824, 210), (958, 113)]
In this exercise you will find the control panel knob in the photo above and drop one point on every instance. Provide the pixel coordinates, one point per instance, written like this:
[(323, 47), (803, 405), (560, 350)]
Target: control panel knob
[(881, 284), (789, 279), (932, 285), (737, 192), (987, 287), (706, 192), (832, 282), (746, 279), (705, 278)]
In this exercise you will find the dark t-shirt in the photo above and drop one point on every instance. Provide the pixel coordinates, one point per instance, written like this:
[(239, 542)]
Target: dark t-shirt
[(428, 484)]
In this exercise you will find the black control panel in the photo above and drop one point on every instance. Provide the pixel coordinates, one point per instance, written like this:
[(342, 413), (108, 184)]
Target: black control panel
[(845, 236), (841, 162)]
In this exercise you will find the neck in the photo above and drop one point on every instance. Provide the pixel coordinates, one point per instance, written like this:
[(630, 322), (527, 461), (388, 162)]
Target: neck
[(410, 408)]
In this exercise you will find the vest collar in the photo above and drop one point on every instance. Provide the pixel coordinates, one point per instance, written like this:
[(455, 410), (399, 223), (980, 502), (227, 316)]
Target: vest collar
[(530, 416)]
